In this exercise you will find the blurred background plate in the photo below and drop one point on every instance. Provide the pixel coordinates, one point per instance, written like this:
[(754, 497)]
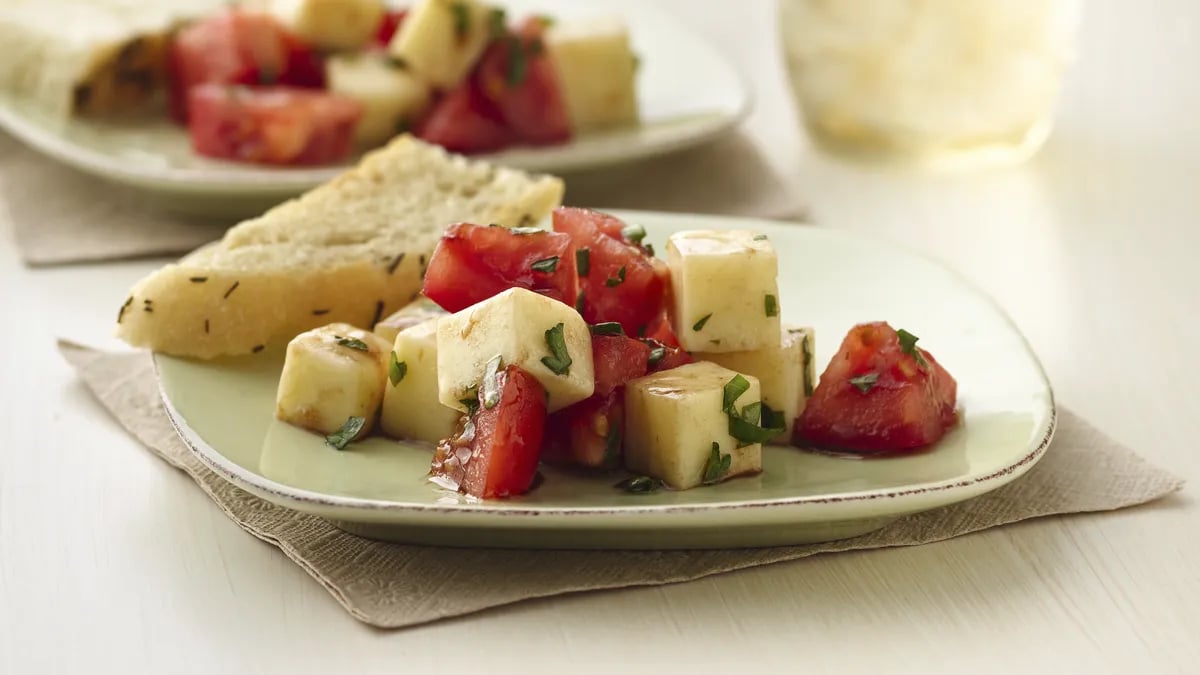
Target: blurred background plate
[(687, 91)]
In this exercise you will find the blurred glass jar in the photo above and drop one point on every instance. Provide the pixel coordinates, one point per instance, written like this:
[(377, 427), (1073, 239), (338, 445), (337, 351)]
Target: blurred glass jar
[(929, 81)]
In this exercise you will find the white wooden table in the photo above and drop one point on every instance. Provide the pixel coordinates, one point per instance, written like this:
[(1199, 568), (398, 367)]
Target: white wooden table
[(111, 561)]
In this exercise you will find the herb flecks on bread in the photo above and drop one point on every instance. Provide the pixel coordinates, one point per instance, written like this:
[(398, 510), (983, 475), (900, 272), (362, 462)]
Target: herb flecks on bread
[(351, 251)]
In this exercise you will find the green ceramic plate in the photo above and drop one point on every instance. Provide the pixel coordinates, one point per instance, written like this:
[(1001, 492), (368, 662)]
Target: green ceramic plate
[(688, 93), (827, 279)]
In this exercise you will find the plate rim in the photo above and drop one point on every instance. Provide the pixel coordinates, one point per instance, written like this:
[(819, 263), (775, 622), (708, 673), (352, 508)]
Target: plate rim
[(295, 497)]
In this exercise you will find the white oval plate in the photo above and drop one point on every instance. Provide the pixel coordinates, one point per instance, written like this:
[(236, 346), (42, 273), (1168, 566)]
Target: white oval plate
[(224, 411), (687, 91)]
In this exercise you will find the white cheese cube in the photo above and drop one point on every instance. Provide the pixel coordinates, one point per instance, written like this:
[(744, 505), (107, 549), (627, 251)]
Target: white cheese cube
[(596, 72), (410, 400), (331, 374), (725, 295), (672, 419), (515, 325), (392, 98), (440, 40), (416, 312), (331, 24), (783, 372)]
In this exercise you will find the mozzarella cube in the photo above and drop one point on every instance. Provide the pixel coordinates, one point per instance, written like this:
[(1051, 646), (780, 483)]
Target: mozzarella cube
[(517, 326), (440, 40), (782, 371), (331, 374), (410, 400), (331, 24), (596, 72), (416, 312), (392, 98), (672, 419), (725, 295)]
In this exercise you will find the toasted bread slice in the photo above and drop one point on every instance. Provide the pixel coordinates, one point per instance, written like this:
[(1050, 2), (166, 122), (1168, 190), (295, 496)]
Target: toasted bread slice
[(353, 250)]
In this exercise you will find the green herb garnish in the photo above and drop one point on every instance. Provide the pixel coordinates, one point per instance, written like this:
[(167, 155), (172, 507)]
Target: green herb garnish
[(656, 355), (699, 325), (612, 445), (771, 305), (517, 62), (471, 401), (908, 345), (864, 383), (732, 391), (760, 237), (579, 302), (497, 22), (352, 343), (773, 418), (607, 328), (340, 438), (806, 352), (559, 361), (717, 466), (583, 261), (397, 369), (639, 485), (634, 234), (618, 280), (546, 265), (545, 19), (462, 19), (746, 428), (490, 388)]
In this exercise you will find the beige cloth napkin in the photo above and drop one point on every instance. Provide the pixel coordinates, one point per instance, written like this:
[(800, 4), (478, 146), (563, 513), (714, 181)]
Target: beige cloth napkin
[(61, 216), (393, 586)]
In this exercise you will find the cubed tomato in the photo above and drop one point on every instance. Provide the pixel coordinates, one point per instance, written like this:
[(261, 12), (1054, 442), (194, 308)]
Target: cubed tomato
[(239, 47), (622, 282), (589, 433), (474, 262), (464, 121), (662, 332), (618, 359), (517, 77), (878, 395), (271, 125), (496, 451), (388, 26)]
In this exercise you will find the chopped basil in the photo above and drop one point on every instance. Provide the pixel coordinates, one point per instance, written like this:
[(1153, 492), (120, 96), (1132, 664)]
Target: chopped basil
[(773, 418), (340, 438), (518, 64), (197, 280), (699, 325), (397, 62), (807, 365), (760, 237), (583, 261), (612, 445), (656, 355), (746, 426), (497, 23), (908, 345), (471, 401), (771, 305), (618, 280), (717, 466), (526, 230), (559, 361), (352, 343), (462, 19), (608, 328), (733, 390), (639, 485), (649, 249), (546, 265), (579, 302), (397, 369), (634, 234), (864, 382), (490, 389)]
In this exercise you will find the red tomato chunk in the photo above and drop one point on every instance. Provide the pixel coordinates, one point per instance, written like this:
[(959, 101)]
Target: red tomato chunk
[(879, 394), (496, 451), (519, 81), (464, 121), (622, 283), (239, 47), (271, 125), (474, 262), (618, 359), (388, 26), (588, 434)]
